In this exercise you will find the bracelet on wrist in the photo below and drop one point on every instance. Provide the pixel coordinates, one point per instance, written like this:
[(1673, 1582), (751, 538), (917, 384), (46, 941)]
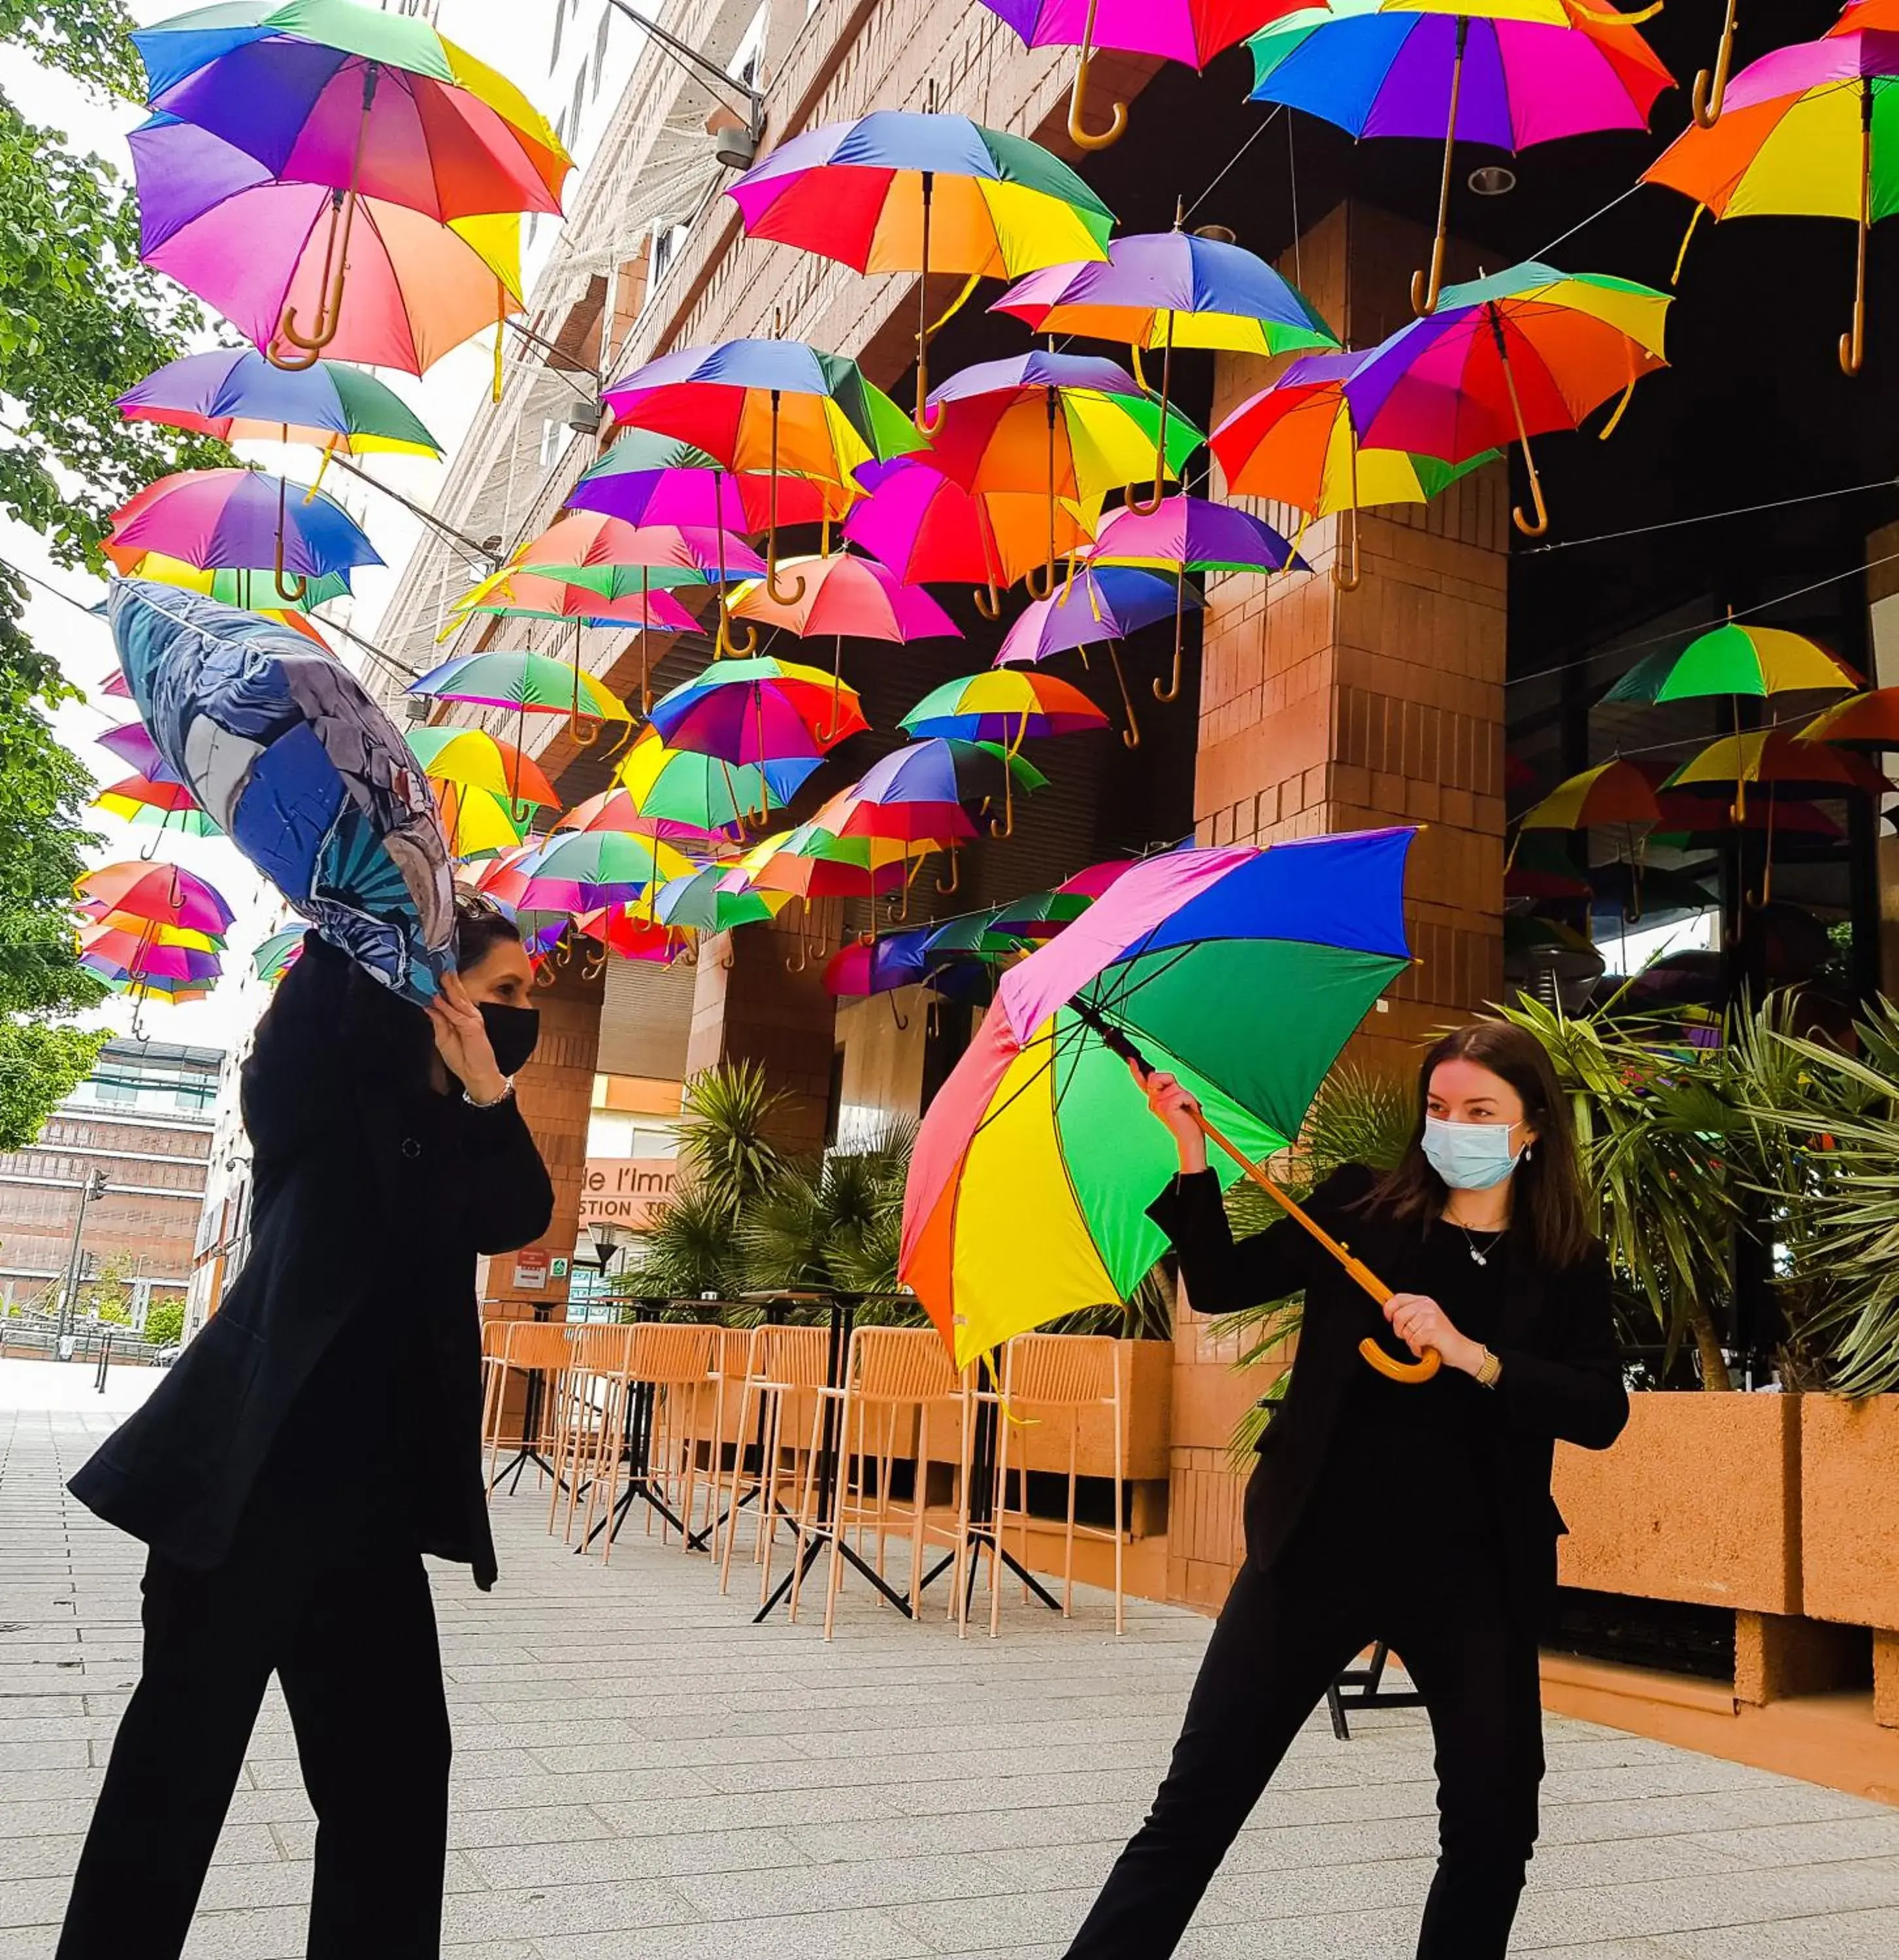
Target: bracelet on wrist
[(493, 1102)]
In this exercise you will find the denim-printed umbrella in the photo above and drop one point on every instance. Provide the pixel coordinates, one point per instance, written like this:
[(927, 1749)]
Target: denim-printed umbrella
[(286, 750)]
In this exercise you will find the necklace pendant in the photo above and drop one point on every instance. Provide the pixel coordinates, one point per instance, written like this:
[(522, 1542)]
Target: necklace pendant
[(1482, 1258)]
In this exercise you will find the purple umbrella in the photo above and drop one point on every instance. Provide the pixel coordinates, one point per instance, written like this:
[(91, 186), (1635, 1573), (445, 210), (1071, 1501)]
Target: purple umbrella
[(134, 747), (1098, 606)]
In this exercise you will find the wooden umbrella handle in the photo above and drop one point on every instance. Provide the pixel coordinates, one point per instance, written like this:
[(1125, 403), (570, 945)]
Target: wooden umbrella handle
[(1428, 1363)]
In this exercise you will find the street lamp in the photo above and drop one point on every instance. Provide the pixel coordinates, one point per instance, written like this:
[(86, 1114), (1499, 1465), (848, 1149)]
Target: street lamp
[(94, 1186)]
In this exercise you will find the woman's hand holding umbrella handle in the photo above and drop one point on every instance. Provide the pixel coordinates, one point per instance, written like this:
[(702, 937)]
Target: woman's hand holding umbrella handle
[(1172, 1106), (1425, 1328)]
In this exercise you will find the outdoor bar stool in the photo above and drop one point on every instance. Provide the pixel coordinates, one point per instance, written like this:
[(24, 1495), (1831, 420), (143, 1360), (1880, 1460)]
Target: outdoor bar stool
[(598, 1356), (538, 1349), (497, 1337), (731, 1369), (658, 1399), (782, 1364), (895, 1378), (1045, 1376)]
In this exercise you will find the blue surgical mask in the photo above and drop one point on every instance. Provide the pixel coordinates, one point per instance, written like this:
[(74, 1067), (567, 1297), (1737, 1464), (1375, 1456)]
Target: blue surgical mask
[(1469, 1157)]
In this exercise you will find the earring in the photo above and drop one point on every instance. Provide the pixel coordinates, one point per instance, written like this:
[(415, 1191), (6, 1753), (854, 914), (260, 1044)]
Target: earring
[(1526, 1153)]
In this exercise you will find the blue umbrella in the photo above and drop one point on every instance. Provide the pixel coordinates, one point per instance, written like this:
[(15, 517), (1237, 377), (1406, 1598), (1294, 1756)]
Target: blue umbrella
[(286, 752)]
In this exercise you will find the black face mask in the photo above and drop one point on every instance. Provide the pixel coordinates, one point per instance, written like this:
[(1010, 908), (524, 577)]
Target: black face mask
[(512, 1032)]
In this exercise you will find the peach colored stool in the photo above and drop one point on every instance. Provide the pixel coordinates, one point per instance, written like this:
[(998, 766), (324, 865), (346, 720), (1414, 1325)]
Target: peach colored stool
[(783, 1365), (1048, 1376), (597, 1354), (533, 1347), (667, 1380), (895, 1378)]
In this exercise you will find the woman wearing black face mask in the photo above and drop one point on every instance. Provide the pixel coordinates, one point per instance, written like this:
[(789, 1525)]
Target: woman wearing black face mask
[(321, 1434)]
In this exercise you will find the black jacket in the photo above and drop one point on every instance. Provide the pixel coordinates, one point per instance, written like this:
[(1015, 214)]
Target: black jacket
[(350, 1214), (1562, 1370)]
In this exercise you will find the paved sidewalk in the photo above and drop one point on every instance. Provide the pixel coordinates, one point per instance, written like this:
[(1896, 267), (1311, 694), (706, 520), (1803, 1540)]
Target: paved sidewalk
[(641, 1775)]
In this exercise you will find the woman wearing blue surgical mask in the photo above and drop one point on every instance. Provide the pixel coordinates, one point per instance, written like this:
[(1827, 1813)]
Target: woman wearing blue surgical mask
[(1419, 1514)]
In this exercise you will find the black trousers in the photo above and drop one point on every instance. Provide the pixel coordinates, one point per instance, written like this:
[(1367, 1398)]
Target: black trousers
[(1281, 1639), (352, 1637)]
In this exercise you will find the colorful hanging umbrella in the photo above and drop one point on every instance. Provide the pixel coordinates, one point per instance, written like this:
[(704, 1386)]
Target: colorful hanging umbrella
[(628, 932), (1169, 289), (927, 528), (284, 749), (1099, 607), (1515, 73), (475, 824), (1070, 426), (134, 747), (618, 560), (221, 517), (264, 251), (1184, 535), (1041, 1119), (1192, 31), (812, 861), (1613, 792), (529, 683), (703, 901), (1868, 721), (515, 593), (1777, 759), (1006, 704), (762, 710), (929, 788), (645, 478), (1296, 443), (1735, 659), (774, 404), (235, 395), (251, 588), (879, 193), (1806, 131), (174, 993), (689, 795), (275, 957), (156, 895), (1042, 914), (374, 109), (164, 804), (1518, 353), (138, 956), (577, 871), (472, 758)]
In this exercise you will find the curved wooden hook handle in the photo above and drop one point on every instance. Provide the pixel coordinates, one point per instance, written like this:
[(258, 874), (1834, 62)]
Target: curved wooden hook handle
[(955, 876), (988, 601), (782, 598), (1710, 91), (1039, 581), (1348, 581), (1079, 133), (1426, 288), (1172, 690)]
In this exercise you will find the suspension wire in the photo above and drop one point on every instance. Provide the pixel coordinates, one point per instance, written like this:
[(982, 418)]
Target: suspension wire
[(1711, 517)]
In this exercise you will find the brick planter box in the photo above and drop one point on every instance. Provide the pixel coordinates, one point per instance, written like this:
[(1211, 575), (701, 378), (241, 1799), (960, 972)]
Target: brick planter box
[(1849, 1510)]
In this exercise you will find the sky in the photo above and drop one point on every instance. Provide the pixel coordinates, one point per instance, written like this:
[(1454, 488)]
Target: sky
[(447, 400)]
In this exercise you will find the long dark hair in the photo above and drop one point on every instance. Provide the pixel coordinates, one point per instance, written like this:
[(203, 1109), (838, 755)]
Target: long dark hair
[(1547, 1219)]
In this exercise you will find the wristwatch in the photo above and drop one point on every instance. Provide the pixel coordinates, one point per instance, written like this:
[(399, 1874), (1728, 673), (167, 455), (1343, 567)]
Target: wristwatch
[(1489, 1369)]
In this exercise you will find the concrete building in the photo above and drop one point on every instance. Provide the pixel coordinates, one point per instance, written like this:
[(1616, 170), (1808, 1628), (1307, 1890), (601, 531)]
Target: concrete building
[(142, 1122)]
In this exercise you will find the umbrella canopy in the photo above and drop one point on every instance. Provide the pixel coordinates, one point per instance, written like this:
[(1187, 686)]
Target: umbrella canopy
[(1041, 1116), (645, 478), (1102, 605), (925, 527), (1509, 73), (235, 394), (165, 803), (762, 710), (175, 993), (333, 93), (262, 249), (1192, 31), (628, 932), (1007, 705), (928, 789), (219, 517), (1775, 757), (850, 596), (1868, 721), (1615, 792), (284, 749), (475, 760), (1042, 914), (529, 683), (609, 556), (703, 901), (138, 956), (689, 795), (250, 588), (132, 743), (1804, 131), (577, 871), (895, 192), (156, 895), (813, 862), (1521, 353), (514, 593), (476, 823), (1738, 660), (777, 405), (274, 957)]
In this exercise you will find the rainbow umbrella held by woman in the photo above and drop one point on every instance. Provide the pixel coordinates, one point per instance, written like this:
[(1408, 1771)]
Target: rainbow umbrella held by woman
[(1042, 1117)]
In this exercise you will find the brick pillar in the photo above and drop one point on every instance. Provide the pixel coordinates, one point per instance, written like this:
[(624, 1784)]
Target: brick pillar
[(747, 1006), (1882, 585), (556, 1093), (1326, 710)]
